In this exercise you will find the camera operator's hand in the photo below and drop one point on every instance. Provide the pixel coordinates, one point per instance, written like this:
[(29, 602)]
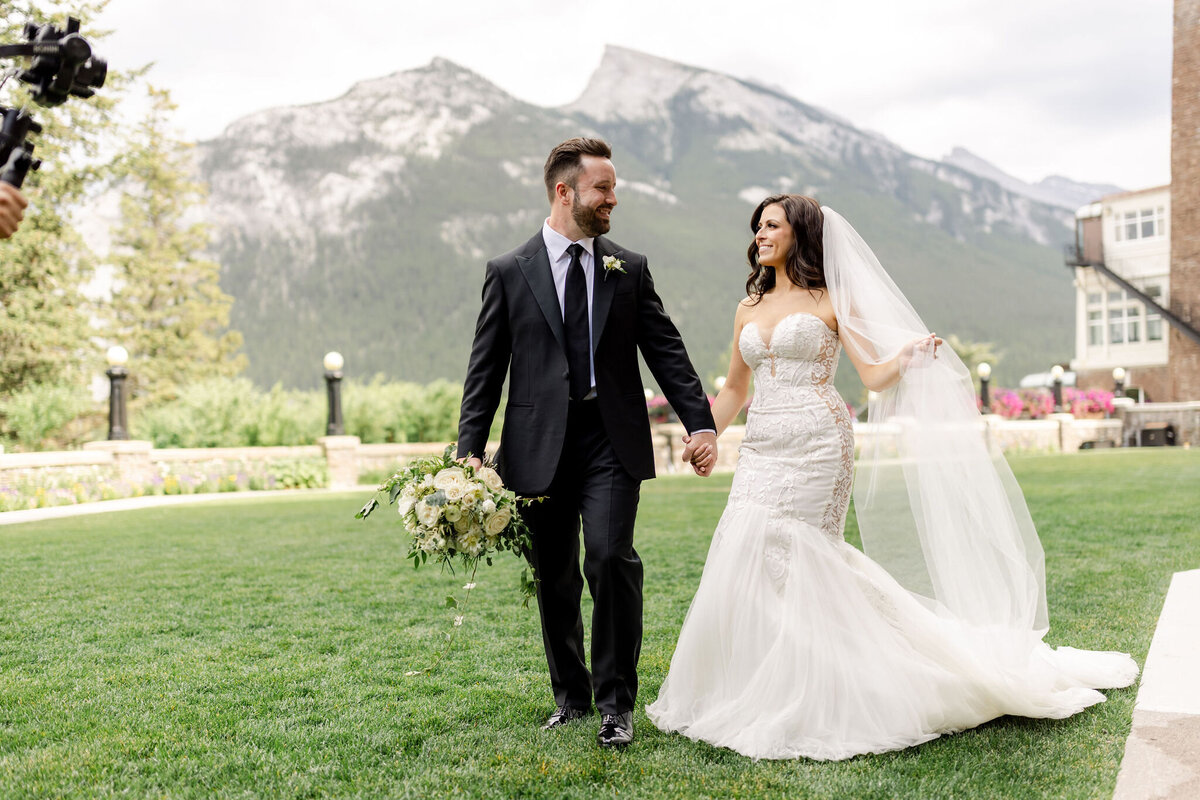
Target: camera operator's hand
[(12, 209)]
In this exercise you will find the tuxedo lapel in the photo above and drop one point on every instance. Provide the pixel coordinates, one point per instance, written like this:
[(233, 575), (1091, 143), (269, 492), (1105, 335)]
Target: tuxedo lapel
[(535, 266), (604, 287)]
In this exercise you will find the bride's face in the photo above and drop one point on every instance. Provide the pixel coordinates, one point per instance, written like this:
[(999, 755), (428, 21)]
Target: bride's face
[(774, 238)]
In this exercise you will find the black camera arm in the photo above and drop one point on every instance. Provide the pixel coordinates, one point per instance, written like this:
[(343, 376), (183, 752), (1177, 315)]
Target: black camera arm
[(62, 66)]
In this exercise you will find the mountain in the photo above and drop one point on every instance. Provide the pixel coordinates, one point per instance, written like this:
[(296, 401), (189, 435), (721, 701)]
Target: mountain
[(1054, 190), (362, 224)]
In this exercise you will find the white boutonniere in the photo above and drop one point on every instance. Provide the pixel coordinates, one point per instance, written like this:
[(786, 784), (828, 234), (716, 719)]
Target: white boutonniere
[(613, 264)]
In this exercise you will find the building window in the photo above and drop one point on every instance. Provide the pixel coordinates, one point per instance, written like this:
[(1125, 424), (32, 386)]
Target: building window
[(1145, 223), (1116, 325), (1125, 315), (1095, 328), (1117, 318), (1154, 321)]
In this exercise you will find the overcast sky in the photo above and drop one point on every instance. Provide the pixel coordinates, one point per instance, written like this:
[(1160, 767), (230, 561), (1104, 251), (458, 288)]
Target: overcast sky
[(1080, 88)]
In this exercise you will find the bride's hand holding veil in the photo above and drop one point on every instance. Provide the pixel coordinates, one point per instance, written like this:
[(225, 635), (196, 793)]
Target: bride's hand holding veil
[(919, 352)]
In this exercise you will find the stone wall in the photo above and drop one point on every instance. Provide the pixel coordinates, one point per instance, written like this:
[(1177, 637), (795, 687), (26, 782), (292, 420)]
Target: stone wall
[(1183, 417), (348, 459)]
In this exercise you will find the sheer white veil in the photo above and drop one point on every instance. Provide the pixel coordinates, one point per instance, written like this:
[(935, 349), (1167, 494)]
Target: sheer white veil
[(936, 506)]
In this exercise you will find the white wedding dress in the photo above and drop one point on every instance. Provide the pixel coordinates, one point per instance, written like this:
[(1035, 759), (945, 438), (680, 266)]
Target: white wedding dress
[(799, 645)]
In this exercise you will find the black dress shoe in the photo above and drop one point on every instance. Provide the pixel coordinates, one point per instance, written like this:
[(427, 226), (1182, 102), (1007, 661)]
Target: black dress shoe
[(564, 714), (616, 730)]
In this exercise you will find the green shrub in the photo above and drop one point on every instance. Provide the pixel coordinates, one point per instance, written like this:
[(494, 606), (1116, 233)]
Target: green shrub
[(40, 412), (232, 412), (393, 411), (286, 417), (300, 473)]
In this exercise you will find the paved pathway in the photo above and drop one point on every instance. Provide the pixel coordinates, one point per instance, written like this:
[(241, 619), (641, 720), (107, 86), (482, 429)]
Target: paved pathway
[(155, 501), (1162, 753)]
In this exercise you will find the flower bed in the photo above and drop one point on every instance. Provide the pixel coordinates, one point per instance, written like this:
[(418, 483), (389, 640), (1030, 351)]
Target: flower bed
[(40, 488), (1039, 404)]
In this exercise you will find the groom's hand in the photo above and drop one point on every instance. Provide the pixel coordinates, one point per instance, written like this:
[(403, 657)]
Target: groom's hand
[(12, 210), (472, 462), (700, 450)]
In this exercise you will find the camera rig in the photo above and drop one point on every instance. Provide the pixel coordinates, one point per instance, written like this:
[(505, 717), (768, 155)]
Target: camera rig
[(63, 66)]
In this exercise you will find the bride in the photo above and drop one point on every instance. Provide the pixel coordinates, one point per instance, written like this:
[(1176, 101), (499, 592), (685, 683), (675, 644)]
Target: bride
[(799, 645)]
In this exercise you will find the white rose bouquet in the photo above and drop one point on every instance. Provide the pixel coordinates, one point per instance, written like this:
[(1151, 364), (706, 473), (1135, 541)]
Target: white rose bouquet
[(456, 512)]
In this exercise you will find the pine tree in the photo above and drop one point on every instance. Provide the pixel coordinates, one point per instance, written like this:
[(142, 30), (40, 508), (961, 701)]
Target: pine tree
[(167, 309), (44, 329)]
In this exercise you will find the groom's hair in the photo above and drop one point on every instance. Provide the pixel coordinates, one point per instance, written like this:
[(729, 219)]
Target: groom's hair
[(566, 161)]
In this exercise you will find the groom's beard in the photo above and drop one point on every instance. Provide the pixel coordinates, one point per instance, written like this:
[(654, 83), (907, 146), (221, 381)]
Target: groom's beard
[(588, 220)]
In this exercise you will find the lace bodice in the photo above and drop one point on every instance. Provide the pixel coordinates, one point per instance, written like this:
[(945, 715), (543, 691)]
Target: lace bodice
[(803, 352), (797, 455)]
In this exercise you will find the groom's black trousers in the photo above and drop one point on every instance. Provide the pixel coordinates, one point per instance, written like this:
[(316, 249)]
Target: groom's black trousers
[(591, 483)]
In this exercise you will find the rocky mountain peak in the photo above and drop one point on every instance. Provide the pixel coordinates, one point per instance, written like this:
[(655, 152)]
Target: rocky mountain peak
[(1054, 190), (397, 110), (632, 86)]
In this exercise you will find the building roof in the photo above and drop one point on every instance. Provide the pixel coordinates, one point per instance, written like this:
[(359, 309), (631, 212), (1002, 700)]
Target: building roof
[(1121, 195)]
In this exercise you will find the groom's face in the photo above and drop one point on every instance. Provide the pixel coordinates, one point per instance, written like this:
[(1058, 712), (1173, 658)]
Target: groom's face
[(594, 196)]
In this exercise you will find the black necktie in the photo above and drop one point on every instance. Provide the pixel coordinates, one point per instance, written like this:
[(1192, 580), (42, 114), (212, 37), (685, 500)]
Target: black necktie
[(575, 325)]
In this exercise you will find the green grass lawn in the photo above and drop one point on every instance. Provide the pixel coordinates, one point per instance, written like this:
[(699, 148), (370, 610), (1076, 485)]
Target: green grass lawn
[(258, 649)]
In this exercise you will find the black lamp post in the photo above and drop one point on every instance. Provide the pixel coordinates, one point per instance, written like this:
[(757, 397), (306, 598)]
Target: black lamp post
[(1118, 382), (118, 427), (333, 383), (1056, 372), (984, 371)]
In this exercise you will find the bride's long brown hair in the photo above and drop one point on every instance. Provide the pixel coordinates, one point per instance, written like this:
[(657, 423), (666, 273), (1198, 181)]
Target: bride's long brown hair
[(805, 260)]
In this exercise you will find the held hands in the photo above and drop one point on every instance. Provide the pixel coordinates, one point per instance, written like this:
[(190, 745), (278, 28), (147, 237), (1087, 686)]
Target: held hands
[(919, 352), (700, 450), (12, 209)]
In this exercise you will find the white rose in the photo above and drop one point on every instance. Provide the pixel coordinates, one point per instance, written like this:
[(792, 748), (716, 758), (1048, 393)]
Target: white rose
[(427, 480), (452, 481), (405, 504), (462, 524), (490, 478), (489, 507), (451, 512), (497, 522), (427, 514), (449, 475)]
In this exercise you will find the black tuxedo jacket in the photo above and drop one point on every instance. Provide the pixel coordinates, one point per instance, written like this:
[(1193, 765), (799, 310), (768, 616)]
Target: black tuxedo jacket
[(520, 331)]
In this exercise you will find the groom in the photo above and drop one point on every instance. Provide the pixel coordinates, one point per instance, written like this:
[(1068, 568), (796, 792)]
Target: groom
[(565, 315)]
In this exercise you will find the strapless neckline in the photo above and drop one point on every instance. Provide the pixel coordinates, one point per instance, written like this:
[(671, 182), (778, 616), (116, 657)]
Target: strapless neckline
[(785, 318)]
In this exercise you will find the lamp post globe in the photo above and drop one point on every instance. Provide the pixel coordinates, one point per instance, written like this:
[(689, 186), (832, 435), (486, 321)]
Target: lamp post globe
[(1118, 375), (333, 363)]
